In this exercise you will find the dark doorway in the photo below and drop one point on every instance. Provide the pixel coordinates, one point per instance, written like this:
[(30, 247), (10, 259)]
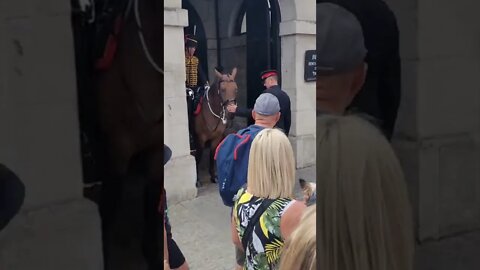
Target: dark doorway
[(263, 43), (195, 27)]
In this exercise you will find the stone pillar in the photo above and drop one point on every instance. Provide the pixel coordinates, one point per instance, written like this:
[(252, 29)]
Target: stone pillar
[(438, 130), (297, 31), (39, 140), (180, 172)]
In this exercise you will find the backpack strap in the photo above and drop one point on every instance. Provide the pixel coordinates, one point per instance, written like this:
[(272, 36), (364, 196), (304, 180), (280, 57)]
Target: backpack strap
[(250, 129), (243, 131), (247, 235)]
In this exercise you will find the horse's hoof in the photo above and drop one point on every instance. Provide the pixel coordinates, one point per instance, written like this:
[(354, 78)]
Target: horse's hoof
[(213, 179)]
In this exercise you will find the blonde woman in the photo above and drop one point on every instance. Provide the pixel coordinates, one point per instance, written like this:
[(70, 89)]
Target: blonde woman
[(365, 220), (300, 251), (266, 212)]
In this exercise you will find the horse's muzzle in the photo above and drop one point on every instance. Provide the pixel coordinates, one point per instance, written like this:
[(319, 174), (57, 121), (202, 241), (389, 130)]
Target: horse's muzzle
[(229, 101)]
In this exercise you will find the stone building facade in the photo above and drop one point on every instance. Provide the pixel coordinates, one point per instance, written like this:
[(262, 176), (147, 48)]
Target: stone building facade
[(438, 129), (224, 39)]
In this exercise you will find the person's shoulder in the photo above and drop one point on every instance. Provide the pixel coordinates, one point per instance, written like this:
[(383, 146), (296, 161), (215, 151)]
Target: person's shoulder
[(277, 89), (293, 208), (291, 217), (254, 127)]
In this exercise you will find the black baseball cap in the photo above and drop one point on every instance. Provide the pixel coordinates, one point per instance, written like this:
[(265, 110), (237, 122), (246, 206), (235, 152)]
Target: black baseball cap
[(340, 41)]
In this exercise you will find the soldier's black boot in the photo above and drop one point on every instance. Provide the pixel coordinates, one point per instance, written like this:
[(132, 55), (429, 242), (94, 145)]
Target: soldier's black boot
[(196, 100), (191, 130)]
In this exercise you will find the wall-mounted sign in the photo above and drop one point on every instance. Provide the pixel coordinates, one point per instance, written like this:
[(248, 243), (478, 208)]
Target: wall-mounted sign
[(310, 66)]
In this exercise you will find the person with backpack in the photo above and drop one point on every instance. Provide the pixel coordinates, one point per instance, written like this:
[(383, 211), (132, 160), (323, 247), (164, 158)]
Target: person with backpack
[(380, 95), (233, 152), (266, 212)]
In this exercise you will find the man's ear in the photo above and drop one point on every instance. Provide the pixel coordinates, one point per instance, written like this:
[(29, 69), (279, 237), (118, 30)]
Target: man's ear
[(359, 79), (254, 115), (218, 74), (277, 118), (302, 183), (234, 73)]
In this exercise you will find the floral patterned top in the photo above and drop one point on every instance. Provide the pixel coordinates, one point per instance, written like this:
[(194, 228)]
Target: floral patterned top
[(263, 251)]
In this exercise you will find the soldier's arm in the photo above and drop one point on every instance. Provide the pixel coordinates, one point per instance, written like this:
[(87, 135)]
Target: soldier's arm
[(202, 77), (288, 119), (243, 112)]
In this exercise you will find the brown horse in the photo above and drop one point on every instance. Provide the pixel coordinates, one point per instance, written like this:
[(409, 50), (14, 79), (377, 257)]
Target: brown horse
[(130, 105), (211, 122)]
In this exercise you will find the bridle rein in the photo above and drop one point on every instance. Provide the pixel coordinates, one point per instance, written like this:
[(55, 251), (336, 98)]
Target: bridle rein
[(222, 115)]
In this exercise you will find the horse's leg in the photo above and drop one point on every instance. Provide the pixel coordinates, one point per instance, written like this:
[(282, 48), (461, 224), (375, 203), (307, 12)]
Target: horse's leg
[(212, 168), (111, 197)]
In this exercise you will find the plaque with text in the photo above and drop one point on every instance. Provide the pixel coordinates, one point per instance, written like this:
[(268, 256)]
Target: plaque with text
[(310, 65)]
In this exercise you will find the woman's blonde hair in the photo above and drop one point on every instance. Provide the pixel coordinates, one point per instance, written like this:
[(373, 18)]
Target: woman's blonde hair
[(271, 165), (365, 220), (300, 250)]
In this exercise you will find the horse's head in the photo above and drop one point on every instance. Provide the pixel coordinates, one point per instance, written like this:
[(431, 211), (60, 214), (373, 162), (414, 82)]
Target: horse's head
[(227, 88)]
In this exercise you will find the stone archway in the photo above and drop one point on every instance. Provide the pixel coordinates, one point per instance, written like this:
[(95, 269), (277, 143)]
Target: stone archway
[(297, 34)]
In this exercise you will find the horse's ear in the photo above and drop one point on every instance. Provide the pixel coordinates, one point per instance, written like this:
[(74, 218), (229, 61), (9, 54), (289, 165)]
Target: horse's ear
[(219, 75), (234, 73), (302, 182)]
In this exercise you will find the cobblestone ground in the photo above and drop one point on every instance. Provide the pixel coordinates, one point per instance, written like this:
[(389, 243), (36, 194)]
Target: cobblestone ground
[(201, 227)]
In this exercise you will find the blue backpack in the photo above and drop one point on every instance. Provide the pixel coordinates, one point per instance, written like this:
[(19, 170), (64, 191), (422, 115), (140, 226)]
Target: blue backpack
[(231, 157)]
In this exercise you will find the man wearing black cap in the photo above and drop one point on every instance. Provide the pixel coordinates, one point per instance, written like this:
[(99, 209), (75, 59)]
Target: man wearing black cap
[(381, 93), (270, 81), (341, 52), (173, 256), (195, 80)]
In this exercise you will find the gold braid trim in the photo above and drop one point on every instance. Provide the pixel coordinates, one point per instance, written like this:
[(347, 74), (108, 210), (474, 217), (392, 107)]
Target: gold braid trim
[(191, 65)]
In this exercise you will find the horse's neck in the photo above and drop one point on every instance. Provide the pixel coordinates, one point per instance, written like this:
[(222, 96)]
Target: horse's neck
[(149, 19)]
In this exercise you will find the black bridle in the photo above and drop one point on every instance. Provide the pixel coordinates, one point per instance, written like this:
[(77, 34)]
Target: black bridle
[(222, 115)]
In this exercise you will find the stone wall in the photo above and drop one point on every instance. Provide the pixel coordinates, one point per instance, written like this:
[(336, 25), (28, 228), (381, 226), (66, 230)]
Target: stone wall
[(39, 140), (297, 35), (297, 31), (438, 130), (180, 172)]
